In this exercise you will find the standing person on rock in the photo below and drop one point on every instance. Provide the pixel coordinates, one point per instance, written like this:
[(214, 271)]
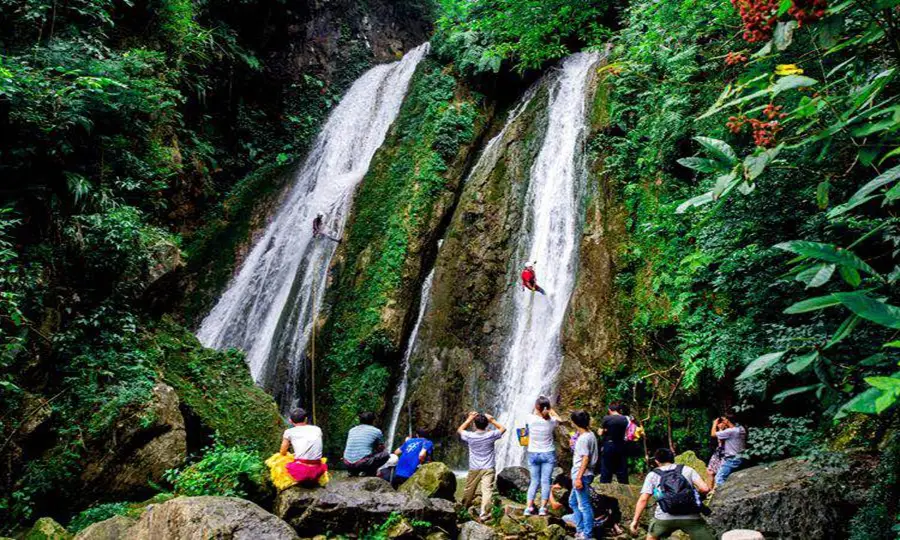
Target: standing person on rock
[(542, 424), (364, 452), (584, 459), (613, 456), (677, 490), (733, 437), (412, 453), (306, 441), (481, 459)]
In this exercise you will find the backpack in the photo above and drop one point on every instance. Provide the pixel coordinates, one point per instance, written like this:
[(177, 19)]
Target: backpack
[(675, 494), (631, 430)]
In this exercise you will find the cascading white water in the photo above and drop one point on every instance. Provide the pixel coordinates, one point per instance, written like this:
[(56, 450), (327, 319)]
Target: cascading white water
[(269, 307), (400, 398), (549, 235)]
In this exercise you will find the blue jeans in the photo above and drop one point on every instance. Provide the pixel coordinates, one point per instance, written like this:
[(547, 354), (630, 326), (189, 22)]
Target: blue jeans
[(541, 465), (580, 502), (727, 467)]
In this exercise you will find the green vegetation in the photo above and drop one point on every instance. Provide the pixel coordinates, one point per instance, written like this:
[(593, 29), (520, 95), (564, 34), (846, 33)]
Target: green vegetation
[(404, 193), (226, 471), (102, 512)]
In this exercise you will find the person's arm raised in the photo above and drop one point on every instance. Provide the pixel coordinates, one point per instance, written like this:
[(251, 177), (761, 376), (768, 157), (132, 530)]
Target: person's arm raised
[(496, 424), (465, 425)]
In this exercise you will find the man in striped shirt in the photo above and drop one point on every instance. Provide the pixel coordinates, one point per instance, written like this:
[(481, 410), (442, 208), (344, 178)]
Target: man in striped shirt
[(365, 451)]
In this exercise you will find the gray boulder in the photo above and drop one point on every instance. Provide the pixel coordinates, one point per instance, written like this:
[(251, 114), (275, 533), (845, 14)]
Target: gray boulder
[(793, 498), (472, 530), (513, 479), (222, 518), (358, 504)]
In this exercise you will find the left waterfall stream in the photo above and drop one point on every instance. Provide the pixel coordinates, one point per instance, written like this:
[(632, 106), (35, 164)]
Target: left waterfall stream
[(270, 306)]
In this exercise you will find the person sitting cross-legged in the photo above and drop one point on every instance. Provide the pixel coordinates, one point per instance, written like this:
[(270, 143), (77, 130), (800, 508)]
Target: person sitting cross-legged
[(365, 452)]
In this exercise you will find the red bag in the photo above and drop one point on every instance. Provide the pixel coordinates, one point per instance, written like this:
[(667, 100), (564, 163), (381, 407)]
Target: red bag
[(307, 471)]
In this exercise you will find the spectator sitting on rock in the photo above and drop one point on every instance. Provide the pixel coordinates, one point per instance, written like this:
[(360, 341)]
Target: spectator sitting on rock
[(414, 452), (481, 459), (364, 452), (306, 441)]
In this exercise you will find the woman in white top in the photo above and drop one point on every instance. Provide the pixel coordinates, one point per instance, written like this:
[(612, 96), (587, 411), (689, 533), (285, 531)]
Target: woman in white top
[(541, 453)]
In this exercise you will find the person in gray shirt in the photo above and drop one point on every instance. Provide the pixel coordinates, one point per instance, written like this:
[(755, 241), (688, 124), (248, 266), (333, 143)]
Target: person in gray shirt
[(733, 437), (481, 459)]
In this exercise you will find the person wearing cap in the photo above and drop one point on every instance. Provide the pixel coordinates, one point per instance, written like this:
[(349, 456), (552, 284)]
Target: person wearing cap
[(529, 279)]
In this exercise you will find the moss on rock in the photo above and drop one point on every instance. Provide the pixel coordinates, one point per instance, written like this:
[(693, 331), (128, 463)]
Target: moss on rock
[(216, 391)]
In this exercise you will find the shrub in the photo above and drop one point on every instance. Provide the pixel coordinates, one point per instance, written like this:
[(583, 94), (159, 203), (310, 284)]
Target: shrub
[(227, 471)]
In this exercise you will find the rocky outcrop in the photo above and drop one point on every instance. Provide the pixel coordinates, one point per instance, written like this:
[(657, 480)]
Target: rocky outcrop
[(113, 528), (47, 529), (793, 498), (358, 504), (626, 495), (691, 460), (225, 518), (512, 481), (431, 480), (141, 447)]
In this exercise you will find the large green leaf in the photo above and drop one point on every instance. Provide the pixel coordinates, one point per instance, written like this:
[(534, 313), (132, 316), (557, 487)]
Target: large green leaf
[(861, 403), (699, 200), (784, 34), (761, 364), (755, 164), (883, 179), (789, 82), (851, 276), (869, 308), (704, 165), (828, 253), (813, 304), (720, 150), (844, 330), (802, 362), (781, 396), (817, 275)]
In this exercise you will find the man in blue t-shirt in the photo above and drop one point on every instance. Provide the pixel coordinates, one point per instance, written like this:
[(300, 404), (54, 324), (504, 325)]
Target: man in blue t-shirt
[(415, 451)]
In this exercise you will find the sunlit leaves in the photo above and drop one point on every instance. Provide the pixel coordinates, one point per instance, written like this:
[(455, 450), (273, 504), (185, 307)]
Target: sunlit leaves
[(761, 364), (869, 308), (828, 253)]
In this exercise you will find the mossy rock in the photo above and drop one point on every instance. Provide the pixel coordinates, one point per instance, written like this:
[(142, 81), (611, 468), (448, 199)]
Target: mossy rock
[(47, 529), (218, 395), (691, 460), (432, 480), (511, 526)]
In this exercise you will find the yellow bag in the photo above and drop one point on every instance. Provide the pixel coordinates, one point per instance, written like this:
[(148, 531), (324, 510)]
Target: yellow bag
[(325, 478), (280, 476)]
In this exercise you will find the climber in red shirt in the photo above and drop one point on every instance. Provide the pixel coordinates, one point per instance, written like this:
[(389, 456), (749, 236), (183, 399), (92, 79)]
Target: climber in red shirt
[(529, 280)]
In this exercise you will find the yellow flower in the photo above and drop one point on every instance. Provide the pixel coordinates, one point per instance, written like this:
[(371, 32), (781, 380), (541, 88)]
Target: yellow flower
[(787, 69)]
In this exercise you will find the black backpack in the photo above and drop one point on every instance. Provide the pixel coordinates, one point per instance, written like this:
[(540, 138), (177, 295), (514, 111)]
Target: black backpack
[(676, 494)]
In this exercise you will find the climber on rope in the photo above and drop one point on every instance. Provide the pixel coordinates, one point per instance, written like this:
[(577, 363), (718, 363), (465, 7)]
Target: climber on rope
[(529, 279), (317, 229)]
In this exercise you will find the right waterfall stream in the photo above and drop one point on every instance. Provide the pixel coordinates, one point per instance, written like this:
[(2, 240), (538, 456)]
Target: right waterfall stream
[(549, 235)]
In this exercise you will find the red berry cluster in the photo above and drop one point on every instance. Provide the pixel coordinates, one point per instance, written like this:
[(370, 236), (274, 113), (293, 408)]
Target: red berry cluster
[(734, 58), (759, 17), (736, 123), (807, 11), (764, 133), (773, 111)]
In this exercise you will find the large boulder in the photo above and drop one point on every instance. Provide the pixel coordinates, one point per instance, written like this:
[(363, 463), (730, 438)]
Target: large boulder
[(472, 530), (47, 529), (138, 452), (626, 495), (358, 504), (793, 498), (513, 480), (222, 518), (432, 480), (113, 528), (691, 460)]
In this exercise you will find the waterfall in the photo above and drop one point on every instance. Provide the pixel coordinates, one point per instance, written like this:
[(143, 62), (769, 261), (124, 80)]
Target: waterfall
[(549, 235), (270, 306), (400, 398)]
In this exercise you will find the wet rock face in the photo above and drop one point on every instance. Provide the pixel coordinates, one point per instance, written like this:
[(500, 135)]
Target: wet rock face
[(140, 449), (358, 504), (225, 518), (512, 481), (432, 480), (793, 498), (458, 357)]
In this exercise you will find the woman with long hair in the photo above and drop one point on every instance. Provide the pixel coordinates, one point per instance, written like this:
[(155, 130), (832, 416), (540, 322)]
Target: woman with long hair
[(541, 453)]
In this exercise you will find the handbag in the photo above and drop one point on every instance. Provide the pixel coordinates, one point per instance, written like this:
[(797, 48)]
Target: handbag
[(522, 435)]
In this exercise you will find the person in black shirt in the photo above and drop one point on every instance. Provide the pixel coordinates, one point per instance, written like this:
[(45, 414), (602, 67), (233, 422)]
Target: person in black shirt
[(612, 453)]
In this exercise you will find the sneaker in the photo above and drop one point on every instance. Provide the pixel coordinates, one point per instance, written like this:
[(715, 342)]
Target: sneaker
[(529, 511), (542, 511)]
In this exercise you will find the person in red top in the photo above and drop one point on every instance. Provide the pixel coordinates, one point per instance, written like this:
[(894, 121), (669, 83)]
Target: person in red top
[(529, 279)]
